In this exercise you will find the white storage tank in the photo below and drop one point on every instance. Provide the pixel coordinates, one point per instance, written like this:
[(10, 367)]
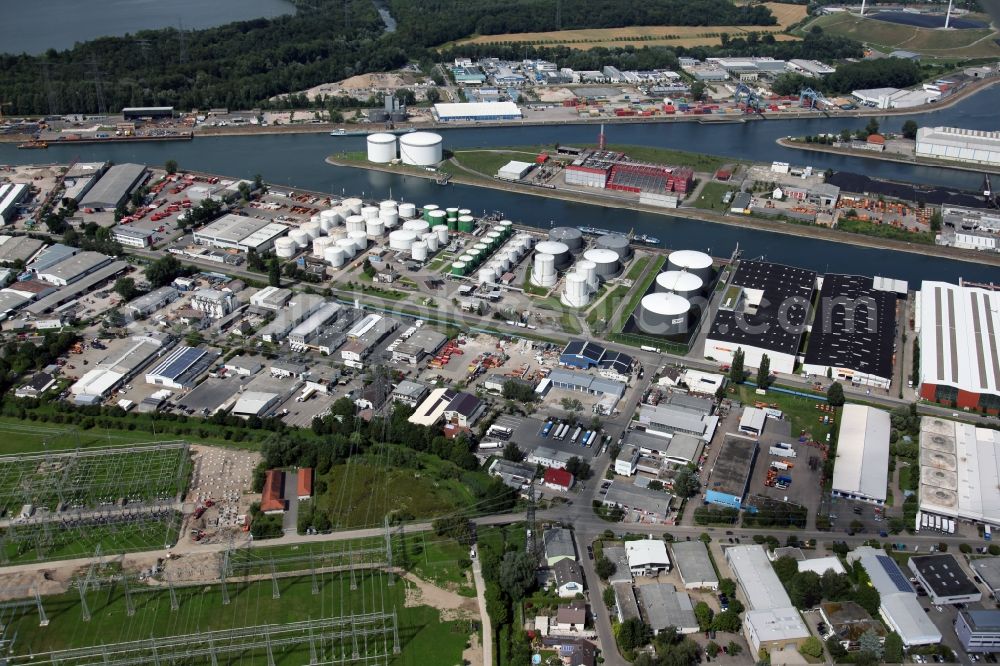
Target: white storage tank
[(605, 261), (419, 251), (389, 218), (348, 246), (369, 212), (313, 229), (431, 239), (617, 243), (285, 248), (374, 228), (353, 205), (527, 239), (496, 268), (691, 261), (570, 236), (337, 233), (663, 314), (421, 148), (407, 211), (503, 259), (381, 147), (681, 283), (387, 204), (576, 293), (334, 256), (442, 233), (401, 240), (417, 226), (355, 223), (300, 237), (328, 219), (543, 273), (360, 239), (559, 252), (588, 269), (320, 244), (487, 275)]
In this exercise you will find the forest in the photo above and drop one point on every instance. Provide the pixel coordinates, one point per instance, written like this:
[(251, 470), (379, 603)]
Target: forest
[(881, 73)]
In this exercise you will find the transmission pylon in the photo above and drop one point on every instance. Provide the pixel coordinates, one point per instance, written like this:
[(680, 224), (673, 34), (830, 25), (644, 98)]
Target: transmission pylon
[(388, 551), (275, 590), (558, 14), (95, 71), (43, 619), (182, 54)]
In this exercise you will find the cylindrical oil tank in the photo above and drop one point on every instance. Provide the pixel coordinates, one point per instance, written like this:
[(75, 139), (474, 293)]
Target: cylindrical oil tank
[(576, 293), (314, 218), (360, 239), (426, 210), (355, 223), (313, 229), (664, 314), (588, 269), (559, 252), (431, 239), (482, 247), (442, 233), (691, 261), (369, 212), (348, 246), (543, 273), (418, 251), (387, 204), (417, 226), (401, 239), (285, 248), (374, 228), (569, 236), (452, 224), (464, 211), (421, 148), (451, 211), (353, 205), (337, 233), (681, 283), (300, 237), (436, 217), (503, 259), (617, 243), (334, 256), (466, 224), (468, 261), (329, 218), (495, 267), (486, 275), (389, 218), (407, 211), (320, 244), (507, 226), (458, 268), (493, 239), (527, 239), (606, 262), (475, 255), (381, 147)]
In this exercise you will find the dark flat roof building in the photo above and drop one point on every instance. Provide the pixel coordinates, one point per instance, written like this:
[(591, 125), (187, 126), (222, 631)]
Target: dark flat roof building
[(114, 186), (944, 579), (727, 484)]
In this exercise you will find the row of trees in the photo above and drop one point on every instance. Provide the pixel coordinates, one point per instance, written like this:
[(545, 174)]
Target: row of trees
[(881, 73)]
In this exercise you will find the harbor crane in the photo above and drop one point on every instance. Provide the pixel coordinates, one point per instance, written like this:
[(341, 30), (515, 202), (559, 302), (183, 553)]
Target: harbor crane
[(749, 97)]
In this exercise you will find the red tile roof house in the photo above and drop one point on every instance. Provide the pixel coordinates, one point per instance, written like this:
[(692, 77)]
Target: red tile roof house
[(271, 500), (305, 483), (557, 479)]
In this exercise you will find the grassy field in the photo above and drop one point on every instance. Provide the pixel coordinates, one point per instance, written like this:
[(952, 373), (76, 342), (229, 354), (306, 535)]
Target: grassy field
[(800, 411), (488, 162), (697, 161), (886, 37), (602, 311), (637, 268), (640, 290), (570, 323), (423, 637), (884, 231), (711, 196), (649, 35)]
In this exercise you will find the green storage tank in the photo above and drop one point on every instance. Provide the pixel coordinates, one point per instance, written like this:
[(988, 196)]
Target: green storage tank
[(427, 211), (458, 268), (452, 225), (466, 224)]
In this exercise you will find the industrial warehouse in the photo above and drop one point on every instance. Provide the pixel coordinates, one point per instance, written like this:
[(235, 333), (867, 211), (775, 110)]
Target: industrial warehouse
[(959, 145), (861, 468)]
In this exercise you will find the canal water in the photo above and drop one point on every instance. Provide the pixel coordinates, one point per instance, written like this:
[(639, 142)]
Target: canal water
[(298, 161)]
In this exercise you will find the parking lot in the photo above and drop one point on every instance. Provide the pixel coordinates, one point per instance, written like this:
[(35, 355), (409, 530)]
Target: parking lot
[(806, 467), (527, 433), (301, 414)]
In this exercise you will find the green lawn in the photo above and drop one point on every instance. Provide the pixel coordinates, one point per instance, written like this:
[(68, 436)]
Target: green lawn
[(441, 561), (488, 162), (570, 323), (801, 411), (604, 308), (639, 290), (424, 638), (637, 267), (711, 196), (855, 226)]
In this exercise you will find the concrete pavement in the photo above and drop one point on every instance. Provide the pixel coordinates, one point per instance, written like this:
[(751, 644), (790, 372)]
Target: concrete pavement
[(477, 575)]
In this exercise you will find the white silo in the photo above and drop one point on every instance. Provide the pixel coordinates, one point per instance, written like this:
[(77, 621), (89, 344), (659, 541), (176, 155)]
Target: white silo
[(337, 233), (559, 252), (407, 211), (431, 239), (543, 273), (570, 236), (328, 219), (576, 293), (300, 237), (285, 248), (663, 314), (486, 275), (355, 223), (360, 239), (374, 228), (390, 218), (381, 147), (418, 251), (606, 262), (320, 244), (442, 233), (496, 268), (353, 205), (334, 256), (387, 204), (348, 246), (401, 240), (314, 218), (417, 226), (421, 148), (369, 212), (691, 261), (588, 269), (681, 283), (313, 229), (527, 239), (503, 259)]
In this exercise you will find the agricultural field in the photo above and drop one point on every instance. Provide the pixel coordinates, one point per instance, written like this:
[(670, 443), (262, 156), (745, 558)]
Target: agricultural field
[(886, 37), (687, 36), (423, 637)]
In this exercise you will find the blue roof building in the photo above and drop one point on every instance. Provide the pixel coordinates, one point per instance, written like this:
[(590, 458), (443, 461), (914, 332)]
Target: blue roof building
[(581, 354)]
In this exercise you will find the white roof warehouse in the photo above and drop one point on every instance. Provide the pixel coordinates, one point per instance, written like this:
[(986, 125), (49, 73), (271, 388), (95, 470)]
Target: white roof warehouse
[(862, 466), (238, 232), (114, 186)]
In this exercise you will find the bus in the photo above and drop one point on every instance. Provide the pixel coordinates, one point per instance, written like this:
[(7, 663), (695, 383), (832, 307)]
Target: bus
[(986, 533), (586, 438)]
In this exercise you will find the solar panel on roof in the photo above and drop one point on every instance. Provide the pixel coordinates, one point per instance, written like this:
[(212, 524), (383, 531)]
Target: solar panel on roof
[(182, 362), (897, 577)]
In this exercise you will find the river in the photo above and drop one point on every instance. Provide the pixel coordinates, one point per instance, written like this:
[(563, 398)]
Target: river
[(34, 27), (296, 160)]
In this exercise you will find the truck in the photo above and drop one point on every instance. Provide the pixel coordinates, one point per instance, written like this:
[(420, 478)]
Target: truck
[(786, 480), (586, 438), (306, 394), (779, 465), (576, 434), (782, 452), (561, 434)]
